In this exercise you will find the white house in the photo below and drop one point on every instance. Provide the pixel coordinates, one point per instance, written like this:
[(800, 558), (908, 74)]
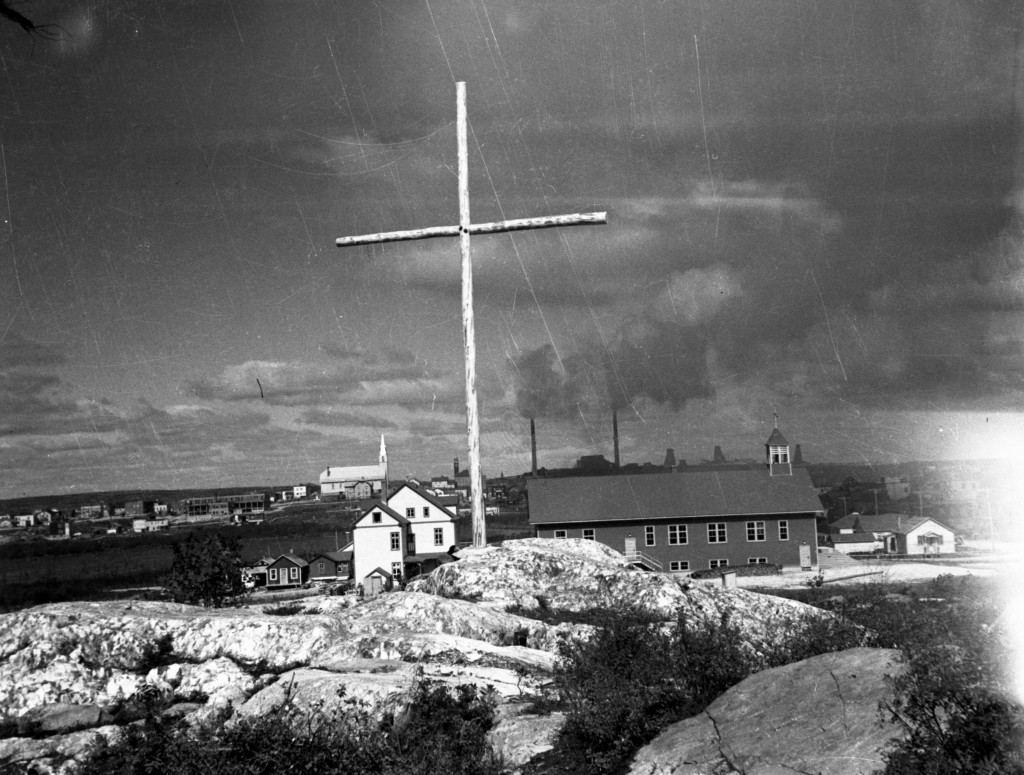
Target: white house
[(892, 534), (380, 539), (431, 524), (409, 535), (357, 482), (924, 535)]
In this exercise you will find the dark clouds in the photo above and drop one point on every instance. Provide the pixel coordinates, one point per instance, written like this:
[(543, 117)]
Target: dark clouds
[(812, 204)]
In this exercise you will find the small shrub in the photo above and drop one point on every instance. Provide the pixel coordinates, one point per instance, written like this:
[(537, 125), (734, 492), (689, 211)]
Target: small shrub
[(285, 610), (754, 569), (157, 653)]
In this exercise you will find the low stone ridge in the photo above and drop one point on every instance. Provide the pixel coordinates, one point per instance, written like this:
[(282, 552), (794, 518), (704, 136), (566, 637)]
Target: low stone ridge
[(90, 663), (817, 716)]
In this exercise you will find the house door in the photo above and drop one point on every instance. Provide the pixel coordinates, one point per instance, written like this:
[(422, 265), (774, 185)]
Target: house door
[(630, 546), (805, 557)]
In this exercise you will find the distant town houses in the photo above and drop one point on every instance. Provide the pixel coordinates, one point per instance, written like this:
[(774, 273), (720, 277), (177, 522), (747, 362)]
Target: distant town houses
[(392, 541), (899, 534), (225, 505)]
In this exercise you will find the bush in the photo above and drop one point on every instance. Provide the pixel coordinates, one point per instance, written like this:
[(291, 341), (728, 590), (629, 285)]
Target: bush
[(953, 704), (285, 610), (206, 570), (637, 675), (438, 733), (755, 569)]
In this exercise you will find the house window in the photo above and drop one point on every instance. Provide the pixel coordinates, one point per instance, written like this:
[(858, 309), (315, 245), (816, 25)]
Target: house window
[(376, 517), (396, 541), (677, 535), (561, 534), (588, 534), (649, 535), (678, 566), (410, 512), (426, 511), (396, 569), (757, 561), (293, 573), (783, 529), (718, 564), (780, 454), (716, 534), (438, 536), (273, 575), (755, 531)]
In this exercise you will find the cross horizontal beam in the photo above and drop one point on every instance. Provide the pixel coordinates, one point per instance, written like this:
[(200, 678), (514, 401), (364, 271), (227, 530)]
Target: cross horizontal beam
[(495, 227)]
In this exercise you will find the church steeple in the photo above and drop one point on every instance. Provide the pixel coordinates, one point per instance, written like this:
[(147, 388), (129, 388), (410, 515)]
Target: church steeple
[(777, 449)]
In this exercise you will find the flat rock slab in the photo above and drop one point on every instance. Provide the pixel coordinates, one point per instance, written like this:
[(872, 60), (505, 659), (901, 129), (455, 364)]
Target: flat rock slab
[(818, 716)]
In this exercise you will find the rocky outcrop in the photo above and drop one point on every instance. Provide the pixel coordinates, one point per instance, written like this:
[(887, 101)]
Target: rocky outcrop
[(97, 661), (817, 716)]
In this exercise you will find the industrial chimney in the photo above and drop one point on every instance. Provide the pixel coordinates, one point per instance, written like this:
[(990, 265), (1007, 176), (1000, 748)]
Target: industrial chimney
[(533, 446), (615, 435)]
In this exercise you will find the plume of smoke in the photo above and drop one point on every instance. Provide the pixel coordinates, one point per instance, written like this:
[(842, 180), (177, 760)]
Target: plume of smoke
[(547, 386)]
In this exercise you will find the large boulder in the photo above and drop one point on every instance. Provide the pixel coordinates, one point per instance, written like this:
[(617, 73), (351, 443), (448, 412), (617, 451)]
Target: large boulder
[(820, 715), (577, 575)]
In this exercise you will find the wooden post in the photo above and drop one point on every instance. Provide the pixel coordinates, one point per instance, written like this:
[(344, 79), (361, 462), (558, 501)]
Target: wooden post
[(463, 230), (476, 494)]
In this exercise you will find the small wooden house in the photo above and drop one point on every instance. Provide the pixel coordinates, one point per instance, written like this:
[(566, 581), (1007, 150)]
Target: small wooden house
[(287, 571), (331, 566)]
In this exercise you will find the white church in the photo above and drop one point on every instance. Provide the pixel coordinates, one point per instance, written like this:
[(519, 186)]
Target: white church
[(357, 482)]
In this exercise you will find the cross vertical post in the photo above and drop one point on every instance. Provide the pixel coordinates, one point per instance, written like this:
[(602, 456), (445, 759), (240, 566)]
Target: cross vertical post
[(463, 231), (476, 482)]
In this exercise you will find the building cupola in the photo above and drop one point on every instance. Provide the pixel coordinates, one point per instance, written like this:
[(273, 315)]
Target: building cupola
[(777, 448)]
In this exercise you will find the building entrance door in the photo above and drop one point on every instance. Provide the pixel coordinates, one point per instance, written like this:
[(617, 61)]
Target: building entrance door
[(805, 557), (630, 546)]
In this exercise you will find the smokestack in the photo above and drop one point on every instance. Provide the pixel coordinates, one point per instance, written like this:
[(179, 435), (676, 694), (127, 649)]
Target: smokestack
[(615, 435), (533, 445)]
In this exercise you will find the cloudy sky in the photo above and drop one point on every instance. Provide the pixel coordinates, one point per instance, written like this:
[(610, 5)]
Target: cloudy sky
[(815, 208)]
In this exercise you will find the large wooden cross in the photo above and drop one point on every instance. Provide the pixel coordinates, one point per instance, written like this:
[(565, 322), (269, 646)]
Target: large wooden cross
[(463, 230)]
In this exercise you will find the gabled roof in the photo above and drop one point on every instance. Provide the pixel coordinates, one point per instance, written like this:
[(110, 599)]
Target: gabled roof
[(427, 496), (853, 538), (777, 439), (334, 556), (747, 492), (379, 572), (354, 473), (844, 523), (895, 523), (381, 506), (292, 559), (883, 523)]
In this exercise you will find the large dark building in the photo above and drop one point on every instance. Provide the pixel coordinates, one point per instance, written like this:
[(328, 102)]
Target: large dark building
[(692, 520)]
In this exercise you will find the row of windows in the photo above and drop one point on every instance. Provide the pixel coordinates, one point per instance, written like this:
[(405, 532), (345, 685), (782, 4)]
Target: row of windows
[(396, 538), (682, 566), (678, 535), (291, 575), (717, 533), (410, 512)]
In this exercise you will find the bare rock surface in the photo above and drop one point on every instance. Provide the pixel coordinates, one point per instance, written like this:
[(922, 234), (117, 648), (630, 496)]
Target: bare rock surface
[(451, 626), (818, 716)]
